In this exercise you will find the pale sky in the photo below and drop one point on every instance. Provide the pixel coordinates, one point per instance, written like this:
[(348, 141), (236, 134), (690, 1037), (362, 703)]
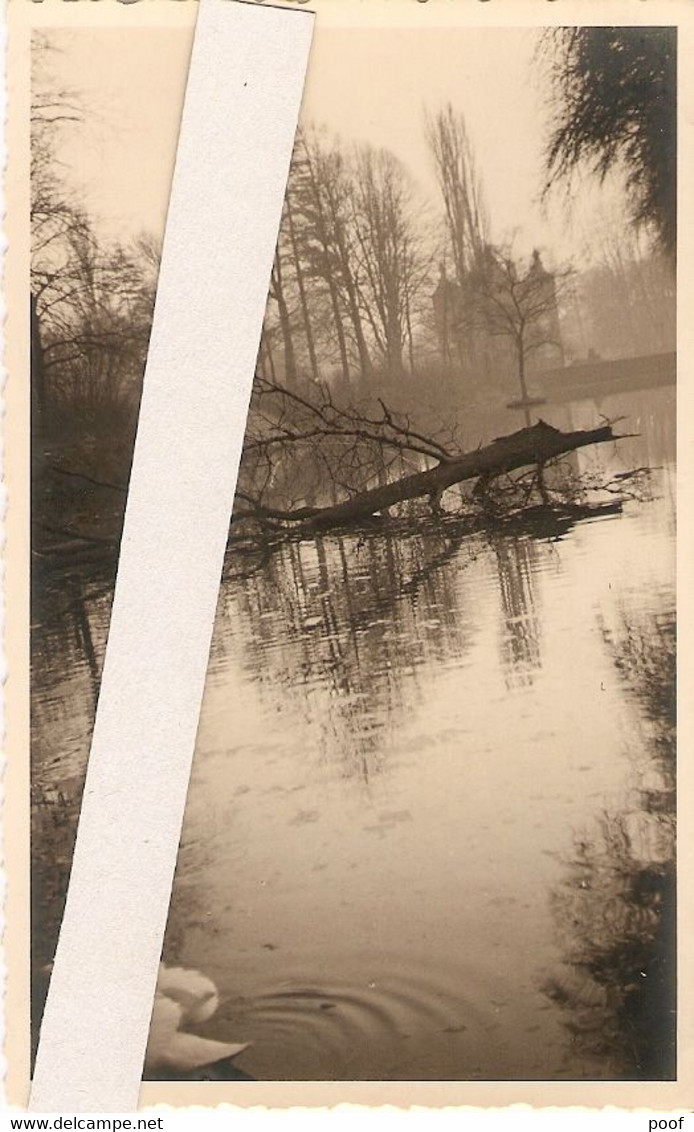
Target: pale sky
[(366, 85)]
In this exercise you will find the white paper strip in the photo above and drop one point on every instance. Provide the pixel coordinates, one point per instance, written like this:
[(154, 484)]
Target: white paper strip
[(242, 102)]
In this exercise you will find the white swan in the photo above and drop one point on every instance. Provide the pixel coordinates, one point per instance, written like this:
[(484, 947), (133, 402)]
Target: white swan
[(182, 997)]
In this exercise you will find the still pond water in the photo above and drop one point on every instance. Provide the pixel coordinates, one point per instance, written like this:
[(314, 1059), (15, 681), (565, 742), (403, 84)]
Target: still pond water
[(429, 833)]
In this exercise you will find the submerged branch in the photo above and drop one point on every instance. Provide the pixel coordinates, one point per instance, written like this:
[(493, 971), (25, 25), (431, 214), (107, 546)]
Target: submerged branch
[(536, 445), (293, 418)]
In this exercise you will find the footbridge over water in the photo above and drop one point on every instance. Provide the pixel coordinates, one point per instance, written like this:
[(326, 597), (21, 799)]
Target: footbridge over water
[(599, 378)]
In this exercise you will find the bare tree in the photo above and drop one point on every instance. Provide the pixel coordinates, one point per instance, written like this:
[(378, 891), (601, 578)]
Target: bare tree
[(53, 215), (311, 464), (300, 274), (279, 293), (90, 303), (95, 340), (465, 235), (313, 204), (338, 188), (518, 303), (627, 296), (461, 189), (393, 263)]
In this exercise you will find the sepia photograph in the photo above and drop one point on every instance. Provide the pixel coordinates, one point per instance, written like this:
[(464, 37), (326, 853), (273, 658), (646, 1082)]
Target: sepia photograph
[(430, 828)]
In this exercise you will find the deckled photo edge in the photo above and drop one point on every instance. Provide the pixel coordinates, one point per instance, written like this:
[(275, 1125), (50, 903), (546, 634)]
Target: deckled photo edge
[(282, 1094)]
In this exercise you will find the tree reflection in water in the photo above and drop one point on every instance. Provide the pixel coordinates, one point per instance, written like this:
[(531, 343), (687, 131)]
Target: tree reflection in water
[(616, 909), (71, 612), (361, 615), (354, 634), (358, 617), (517, 561)]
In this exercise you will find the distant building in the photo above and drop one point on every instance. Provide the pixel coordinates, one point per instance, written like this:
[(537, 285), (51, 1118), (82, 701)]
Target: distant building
[(550, 353), (471, 336)]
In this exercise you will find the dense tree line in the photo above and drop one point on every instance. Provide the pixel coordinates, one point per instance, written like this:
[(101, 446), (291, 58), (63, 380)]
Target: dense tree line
[(352, 292), (374, 288), (91, 301), (350, 278)]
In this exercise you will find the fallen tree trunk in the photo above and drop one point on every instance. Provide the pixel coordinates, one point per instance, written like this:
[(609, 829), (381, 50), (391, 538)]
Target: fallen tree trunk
[(534, 445)]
